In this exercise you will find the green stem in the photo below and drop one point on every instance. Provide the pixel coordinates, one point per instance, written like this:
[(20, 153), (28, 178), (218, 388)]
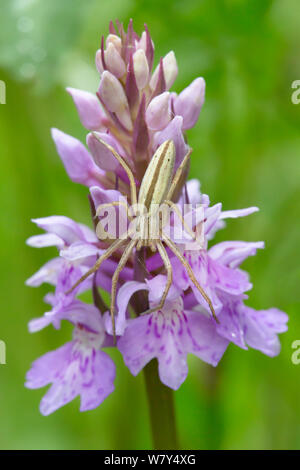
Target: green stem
[(160, 397), (161, 409)]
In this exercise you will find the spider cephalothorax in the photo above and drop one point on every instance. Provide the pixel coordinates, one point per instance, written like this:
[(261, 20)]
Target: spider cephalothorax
[(157, 189)]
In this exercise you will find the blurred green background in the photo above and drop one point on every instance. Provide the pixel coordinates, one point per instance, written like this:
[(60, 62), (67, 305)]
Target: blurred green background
[(247, 148)]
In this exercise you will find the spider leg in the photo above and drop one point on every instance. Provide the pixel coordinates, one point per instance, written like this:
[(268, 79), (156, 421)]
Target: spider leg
[(100, 232), (110, 250), (181, 258), (115, 279), (114, 203), (178, 174), (168, 266), (176, 209), (124, 165)]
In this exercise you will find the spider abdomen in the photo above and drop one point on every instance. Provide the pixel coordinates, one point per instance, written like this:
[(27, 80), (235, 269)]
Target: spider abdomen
[(158, 177)]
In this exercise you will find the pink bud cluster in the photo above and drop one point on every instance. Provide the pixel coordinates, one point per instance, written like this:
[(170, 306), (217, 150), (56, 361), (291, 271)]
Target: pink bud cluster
[(133, 109)]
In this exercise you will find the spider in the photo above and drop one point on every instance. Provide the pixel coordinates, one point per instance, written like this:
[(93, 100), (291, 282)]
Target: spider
[(157, 188)]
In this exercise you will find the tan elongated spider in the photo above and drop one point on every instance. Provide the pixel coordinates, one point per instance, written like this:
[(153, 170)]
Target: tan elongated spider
[(157, 189)]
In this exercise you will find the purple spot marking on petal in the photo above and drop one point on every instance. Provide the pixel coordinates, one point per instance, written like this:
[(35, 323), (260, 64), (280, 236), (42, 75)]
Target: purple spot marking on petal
[(168, 361)]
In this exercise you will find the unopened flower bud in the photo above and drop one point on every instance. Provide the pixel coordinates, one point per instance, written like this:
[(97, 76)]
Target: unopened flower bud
[(115, 40), (101, 153), (76, 159), (170, 71), (114, 61), (98, 61), (141, 68), (158, 113), (190, 101), (113, 96), (142, 43), (90, 111)]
